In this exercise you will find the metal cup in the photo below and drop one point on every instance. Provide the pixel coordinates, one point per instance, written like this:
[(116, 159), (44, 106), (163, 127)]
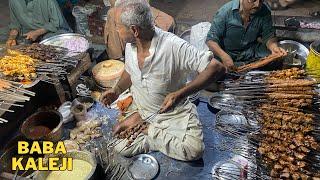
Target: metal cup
[(80, 112)]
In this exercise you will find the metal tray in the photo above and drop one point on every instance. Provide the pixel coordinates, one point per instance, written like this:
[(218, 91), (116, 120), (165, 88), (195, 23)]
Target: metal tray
[(226, 170), (219, 100), (143, 166), (33, 82), (59, 39)]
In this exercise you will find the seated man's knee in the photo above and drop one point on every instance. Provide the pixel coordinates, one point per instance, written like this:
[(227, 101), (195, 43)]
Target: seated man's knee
[(193, 151), (197, 151)]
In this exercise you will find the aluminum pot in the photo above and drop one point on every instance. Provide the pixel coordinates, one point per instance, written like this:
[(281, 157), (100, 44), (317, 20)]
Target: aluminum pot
[(43, 125), (297, 53)]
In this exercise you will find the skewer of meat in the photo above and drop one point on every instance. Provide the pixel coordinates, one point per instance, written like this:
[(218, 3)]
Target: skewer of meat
[(260, 63)]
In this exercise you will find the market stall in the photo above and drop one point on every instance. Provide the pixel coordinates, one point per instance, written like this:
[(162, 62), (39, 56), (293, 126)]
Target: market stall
[(44, 72), (265, 124)]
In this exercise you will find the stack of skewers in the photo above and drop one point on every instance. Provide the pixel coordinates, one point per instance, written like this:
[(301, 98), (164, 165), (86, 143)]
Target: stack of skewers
[(286, 107), (11, 94), (52, 60), (49, 54)]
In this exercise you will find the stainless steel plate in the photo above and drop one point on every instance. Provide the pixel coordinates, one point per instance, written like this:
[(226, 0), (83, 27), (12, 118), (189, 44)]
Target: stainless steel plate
[(226, 170), (257, 73), (220, 100), (143, 166), (60, 40), (235, 123), (186, 35), (227, 118)]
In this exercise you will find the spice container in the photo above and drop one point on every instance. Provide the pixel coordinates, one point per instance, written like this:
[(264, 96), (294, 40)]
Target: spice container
[(79, 111)]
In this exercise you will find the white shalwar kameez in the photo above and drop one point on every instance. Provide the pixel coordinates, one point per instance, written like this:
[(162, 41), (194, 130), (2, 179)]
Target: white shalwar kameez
[(178, 133)]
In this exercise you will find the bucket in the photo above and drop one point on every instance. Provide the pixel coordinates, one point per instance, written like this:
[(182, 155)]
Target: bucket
[(313, 59)]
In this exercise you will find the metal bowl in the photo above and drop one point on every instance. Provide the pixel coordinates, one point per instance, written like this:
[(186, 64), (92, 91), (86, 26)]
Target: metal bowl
[(43, 125), (227, 118), (297, 52), (81, 155), (87, 101), (186, 35), (226, 170)]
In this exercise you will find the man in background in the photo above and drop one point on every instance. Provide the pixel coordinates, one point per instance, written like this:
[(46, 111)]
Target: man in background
[(241, 32), (34, 20), (114, 46)]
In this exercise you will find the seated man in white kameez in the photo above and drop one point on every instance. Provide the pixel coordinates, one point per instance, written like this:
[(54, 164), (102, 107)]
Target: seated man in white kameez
[(156, 66)]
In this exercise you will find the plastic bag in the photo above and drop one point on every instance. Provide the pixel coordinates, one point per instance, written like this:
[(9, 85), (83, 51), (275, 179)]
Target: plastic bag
[(199, 34), (198, 37), (81, 15)]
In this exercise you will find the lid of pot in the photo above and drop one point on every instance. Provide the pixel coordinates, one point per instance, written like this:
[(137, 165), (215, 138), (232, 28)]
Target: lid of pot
[(109, 69)]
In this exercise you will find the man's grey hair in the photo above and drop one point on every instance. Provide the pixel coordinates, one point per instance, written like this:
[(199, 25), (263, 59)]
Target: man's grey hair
[(135, 12)]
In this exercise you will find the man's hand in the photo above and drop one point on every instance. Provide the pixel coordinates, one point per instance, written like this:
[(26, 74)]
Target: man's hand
[(170, 101), (34, 35), (277, 50), (228, 62), (225, 58), (11, 42), (130, 122), (272, 45), (109, 96)]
